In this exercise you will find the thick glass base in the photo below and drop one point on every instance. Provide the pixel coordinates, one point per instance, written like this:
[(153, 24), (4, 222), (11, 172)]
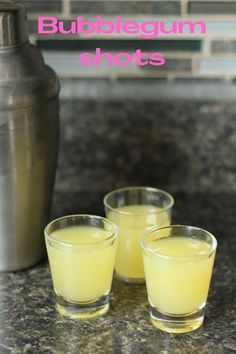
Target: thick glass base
[(174, 323), (82, 310), (130, 280)]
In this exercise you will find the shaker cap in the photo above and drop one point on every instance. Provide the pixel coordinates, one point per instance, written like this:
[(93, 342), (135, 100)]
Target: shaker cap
[(13, 28)]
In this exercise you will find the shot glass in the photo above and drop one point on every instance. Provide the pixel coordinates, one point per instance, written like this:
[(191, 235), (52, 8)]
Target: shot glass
[(81, 251), (178, 263), (135, 210)]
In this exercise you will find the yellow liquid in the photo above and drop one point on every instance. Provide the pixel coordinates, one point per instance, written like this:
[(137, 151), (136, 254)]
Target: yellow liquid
[(178, 286), (131, 227), (81, 273)]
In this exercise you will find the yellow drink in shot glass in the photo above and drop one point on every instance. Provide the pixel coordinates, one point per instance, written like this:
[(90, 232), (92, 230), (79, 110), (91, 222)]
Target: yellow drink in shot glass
[(135, 210), (178, 263), (81, 251)]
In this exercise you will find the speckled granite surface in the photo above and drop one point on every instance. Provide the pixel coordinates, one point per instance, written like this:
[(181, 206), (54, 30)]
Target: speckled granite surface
[(178, 146), (169, 145)]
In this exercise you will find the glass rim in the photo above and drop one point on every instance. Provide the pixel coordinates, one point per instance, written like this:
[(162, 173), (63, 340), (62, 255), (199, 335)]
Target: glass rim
[(202, 254), (153, 189), (90, 216)]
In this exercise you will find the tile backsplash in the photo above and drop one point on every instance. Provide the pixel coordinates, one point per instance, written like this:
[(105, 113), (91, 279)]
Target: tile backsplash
[(210, 55)]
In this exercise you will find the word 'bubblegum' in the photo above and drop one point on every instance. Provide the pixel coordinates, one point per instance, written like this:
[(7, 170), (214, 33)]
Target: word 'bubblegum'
[(145, 29)]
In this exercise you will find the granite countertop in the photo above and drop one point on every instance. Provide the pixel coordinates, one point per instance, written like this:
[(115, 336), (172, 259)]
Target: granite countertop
[(29, 322)]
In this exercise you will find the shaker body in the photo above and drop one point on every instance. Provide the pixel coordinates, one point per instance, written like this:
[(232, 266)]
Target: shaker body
[(28, 155), (29, 138)]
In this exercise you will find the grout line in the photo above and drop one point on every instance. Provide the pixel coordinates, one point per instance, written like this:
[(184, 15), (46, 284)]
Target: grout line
[(34, 16), (66, 8), (139, 17), (116, 0), (184, 8), (123, 38), (142, 74), (207, 47), (220, 1), (168, 54), (171, 55), (194, 65), (128, 38)]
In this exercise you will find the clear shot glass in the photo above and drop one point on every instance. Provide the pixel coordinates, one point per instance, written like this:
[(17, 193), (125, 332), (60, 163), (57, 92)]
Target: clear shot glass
[(178, 262), (81, 251), (135, 210)]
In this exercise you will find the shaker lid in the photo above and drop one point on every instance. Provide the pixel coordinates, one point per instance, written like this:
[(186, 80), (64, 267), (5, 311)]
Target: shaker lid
[(13, 28)]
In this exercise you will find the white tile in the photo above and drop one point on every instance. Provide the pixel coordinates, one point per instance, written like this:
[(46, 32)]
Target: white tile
[(217, 66)]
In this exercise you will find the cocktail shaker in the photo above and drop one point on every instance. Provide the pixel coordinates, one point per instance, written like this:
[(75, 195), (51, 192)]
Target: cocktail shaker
[(29, 138)]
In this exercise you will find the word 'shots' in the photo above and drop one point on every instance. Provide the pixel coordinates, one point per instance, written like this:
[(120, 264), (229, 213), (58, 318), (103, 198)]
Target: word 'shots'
[(144, 30)]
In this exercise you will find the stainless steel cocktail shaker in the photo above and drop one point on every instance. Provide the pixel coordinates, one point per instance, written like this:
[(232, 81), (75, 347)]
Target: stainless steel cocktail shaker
[(29, 137)]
